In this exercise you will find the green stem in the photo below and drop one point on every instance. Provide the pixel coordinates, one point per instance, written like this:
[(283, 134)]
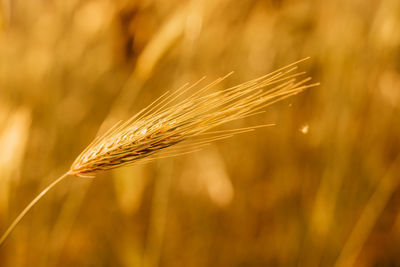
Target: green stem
[(30, 205)]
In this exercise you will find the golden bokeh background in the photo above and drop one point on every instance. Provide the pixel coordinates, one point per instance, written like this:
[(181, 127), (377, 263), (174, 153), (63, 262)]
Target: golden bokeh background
[(321, 188)]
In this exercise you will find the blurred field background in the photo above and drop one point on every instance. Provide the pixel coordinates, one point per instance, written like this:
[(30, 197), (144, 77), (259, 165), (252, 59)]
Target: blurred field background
[(321, 188)]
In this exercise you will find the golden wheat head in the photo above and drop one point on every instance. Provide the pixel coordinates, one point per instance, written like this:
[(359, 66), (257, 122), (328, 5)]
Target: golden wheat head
[(161, 125)]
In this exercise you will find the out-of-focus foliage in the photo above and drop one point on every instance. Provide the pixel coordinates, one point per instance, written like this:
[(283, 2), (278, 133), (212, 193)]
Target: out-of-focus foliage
[(318, 189)]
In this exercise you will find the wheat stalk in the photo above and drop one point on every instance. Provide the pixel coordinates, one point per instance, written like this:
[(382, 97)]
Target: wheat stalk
[(162, 128)]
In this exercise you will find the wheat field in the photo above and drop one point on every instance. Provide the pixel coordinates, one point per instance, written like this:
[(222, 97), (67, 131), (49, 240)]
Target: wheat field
[(319, 188)]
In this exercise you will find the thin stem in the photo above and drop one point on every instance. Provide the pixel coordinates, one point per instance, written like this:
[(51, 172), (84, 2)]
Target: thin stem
[(30, 205)]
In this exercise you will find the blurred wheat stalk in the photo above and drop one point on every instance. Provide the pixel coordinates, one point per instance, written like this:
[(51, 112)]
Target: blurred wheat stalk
[(161, 129)]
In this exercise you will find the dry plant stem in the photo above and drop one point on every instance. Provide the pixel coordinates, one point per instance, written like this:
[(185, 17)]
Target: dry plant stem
[(368, 218), (30, 205)]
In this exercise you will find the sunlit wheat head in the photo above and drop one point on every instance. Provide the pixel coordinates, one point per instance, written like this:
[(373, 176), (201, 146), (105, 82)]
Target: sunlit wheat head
[(176, 124)]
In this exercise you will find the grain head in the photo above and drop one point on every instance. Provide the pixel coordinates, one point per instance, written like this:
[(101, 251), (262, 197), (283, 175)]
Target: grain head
[(162, 128)]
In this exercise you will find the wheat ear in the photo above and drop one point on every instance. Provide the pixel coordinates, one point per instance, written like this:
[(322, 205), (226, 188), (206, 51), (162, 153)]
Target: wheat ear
[(161, 129)]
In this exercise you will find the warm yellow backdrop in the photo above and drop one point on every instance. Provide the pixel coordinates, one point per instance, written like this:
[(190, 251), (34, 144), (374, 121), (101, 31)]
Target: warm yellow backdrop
[(318, 189)]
